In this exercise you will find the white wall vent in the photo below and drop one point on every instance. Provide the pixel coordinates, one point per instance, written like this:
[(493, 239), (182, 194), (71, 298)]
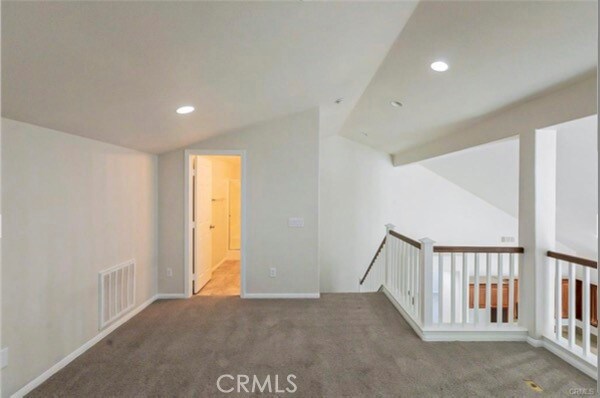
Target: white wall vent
[(116, 292)]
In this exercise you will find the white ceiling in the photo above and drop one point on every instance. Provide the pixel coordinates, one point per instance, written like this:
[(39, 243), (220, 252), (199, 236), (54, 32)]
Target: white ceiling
[(576, 179), (499, 53), (116, 71)]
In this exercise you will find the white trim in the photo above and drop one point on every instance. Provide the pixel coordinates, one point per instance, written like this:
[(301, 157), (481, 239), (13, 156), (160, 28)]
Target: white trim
[(282, 295), (187, 288), (500, 333), (73, 355), (412, 322), (170, 296), (458, 332), (220, 263), (537, 343), (587, 367)]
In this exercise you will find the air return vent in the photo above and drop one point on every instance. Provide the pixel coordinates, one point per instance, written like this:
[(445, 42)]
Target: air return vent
[(116, 292)]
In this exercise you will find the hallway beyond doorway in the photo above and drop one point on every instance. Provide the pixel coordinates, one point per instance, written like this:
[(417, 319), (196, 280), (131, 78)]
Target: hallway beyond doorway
[(225, 280)]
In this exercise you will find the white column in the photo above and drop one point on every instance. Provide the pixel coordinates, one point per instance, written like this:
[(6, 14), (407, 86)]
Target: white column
[(537, 229), (426, 281)]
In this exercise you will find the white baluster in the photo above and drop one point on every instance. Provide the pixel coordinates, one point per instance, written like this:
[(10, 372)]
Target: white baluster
[(465, 289), (488, 289), (453, 288), (440, 288), (571, 305), (499, 287), (558, 300), (511, 289), (585, 318), (476, 291), (415, 266), (406, 267), (409, 276)]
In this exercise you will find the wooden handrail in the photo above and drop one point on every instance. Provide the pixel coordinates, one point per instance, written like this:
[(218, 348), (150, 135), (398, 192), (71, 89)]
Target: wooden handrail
[(572, 259), (406, 239), (373, 261), (477, 249)]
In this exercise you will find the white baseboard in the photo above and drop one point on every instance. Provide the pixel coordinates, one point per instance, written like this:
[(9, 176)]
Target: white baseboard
[(220, 263), (169, 296), (457, 333), (537, 343), (413, 323), (434, 334), (500, 334), (86, 346), (282, 295), (587, 367)]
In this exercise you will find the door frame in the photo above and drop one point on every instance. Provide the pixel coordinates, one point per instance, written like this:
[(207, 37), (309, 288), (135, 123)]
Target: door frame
[(187, 222)]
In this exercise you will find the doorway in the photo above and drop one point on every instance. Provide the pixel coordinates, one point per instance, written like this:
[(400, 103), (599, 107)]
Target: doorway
[(214, 227)]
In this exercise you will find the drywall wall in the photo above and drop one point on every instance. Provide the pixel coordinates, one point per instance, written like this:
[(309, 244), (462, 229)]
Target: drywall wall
[(71, 207), (360, 192), (577, 185), (490, 171), (282, 181)]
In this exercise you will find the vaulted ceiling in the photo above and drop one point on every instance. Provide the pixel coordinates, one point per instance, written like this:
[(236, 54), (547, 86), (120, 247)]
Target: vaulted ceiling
[(498, 52), (116, 71)]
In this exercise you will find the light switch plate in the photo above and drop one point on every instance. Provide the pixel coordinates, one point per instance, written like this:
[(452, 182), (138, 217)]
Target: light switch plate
[(296, 222), (4, 358)]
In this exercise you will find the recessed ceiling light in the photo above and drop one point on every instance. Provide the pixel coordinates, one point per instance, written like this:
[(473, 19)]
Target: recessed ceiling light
[(439, 66), (396, 104), (339, 100), (182, 110)]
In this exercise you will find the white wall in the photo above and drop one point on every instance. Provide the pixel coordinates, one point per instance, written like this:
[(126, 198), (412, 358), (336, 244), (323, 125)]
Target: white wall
[(282, 182), (71, 207), (577, 185), (489, 171), (361, 191)]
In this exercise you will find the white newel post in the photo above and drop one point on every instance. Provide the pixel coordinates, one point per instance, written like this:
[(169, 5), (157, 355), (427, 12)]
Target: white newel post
[(426, 281), (388, 257)]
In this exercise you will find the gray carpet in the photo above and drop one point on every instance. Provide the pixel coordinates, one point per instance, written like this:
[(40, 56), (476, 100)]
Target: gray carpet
[(354, 345)]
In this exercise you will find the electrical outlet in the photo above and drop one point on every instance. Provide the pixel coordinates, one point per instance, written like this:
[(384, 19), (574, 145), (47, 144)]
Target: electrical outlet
[(273, 272), (507, 239), (4, 358), (169, 272), (296, 222)]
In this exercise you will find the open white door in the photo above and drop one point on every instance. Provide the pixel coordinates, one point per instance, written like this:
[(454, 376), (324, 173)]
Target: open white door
[(202, 226)]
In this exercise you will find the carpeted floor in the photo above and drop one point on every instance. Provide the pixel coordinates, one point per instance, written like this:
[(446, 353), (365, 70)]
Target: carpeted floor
[(353, 345)]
